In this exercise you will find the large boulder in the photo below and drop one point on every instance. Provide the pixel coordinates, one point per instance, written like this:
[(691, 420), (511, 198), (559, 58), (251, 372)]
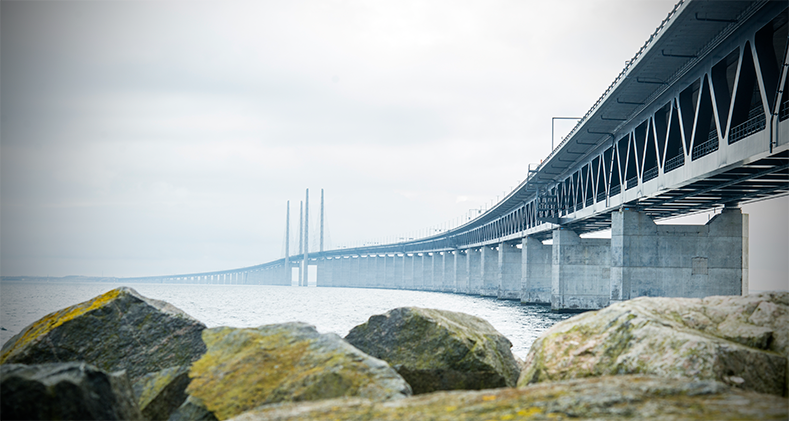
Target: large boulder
[(245, 368), (609, 398), (159, 394), (438, 349), (65, 391), (119, 330), (742, 341)]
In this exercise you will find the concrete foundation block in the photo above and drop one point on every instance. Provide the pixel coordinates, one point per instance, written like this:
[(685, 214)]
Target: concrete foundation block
[(509, 273), (678, 260), (581, 272), (536, 272), (490, 268), (474, 265)]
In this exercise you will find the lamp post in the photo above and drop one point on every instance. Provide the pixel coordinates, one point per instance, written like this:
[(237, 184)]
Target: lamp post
[(560, 118)]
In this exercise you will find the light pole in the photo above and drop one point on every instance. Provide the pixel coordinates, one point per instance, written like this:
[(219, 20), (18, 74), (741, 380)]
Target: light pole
[(560, 118)]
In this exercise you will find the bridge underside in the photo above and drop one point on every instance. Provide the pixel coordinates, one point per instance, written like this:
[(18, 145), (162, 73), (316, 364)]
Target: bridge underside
[(762, 179)]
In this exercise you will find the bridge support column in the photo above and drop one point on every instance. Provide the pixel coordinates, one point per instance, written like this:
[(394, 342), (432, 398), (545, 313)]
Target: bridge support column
[(448, 271), (461, 272), (438, 272), (367, 271), (536, 272), (427, 272), (323, 277), (355, 271), (474, 265), (335, 265), (419, 273), (344, 278), (408, 271), (382, 267), (377, 271), (397, 271), (509, 273), (581, 271), (678, 260), (490, 272), (389, 271)]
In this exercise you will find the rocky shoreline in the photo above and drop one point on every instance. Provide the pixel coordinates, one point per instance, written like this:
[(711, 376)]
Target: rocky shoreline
[(124, 356)]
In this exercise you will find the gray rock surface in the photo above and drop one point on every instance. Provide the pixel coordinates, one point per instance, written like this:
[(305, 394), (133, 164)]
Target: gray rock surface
[(438, 349), (159, 394), (65, 391), (624, 397), (119, 330), (741, 341), (192, 409)]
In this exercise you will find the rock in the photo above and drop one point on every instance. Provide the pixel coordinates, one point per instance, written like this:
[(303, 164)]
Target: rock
[(742, 341), (608, 397), (76, 391), (245, 368), (159, 394), (193, 409), (120, 330), (438, 349)]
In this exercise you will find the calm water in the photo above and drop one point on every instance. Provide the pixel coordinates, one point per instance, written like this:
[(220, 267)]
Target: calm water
[(335, 310)]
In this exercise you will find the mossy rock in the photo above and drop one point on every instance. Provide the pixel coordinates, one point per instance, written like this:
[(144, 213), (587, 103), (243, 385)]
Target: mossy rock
[(600, 398), (246, 368), (159, 394), (741, 341), (65, 391), (119, 330), (438, 349)]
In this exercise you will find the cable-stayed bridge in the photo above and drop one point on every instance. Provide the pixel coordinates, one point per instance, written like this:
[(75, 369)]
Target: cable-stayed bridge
[(697, 120)]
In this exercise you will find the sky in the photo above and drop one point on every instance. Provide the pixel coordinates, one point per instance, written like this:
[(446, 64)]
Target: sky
[(164, 137)]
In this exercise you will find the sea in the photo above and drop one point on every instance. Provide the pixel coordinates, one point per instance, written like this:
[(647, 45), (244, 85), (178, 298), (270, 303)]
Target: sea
[(335, 310)]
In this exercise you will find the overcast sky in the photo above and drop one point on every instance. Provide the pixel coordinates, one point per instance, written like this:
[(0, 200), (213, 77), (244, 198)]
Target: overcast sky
[(149, 138)]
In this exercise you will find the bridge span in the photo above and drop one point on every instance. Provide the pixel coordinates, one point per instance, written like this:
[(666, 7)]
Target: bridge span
[(696, 121)]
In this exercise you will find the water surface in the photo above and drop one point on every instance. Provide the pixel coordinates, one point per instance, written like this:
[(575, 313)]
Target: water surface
[(328, 309)]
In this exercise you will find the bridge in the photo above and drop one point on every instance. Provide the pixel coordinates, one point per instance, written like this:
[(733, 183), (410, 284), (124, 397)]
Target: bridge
[(696, 121)]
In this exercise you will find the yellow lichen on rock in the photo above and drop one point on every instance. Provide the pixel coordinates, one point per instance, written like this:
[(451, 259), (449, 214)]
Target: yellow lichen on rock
[(609, 397), (246, 368), (118, 330), (55, 319)]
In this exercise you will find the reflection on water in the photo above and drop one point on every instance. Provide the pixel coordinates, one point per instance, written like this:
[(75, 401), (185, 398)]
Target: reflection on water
[(329, 309)]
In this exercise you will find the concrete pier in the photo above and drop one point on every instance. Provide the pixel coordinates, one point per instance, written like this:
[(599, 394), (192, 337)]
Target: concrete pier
[(323, 277), (474, 270), (678, 260), (397, 270), (490, 272), (509, 272), (408, 271), (461, 272), (581, 271), (448, 264), (437, 272), (355, 262), (427, 271), (419, 272), (537, 269)]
